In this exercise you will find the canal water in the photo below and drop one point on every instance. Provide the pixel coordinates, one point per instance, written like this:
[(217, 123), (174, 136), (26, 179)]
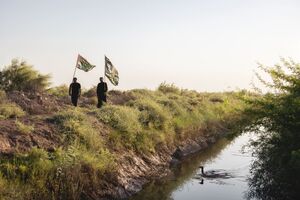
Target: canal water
[(229, 157)]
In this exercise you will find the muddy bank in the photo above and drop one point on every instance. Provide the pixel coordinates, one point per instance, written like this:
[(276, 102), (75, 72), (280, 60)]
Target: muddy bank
[(136, 170)]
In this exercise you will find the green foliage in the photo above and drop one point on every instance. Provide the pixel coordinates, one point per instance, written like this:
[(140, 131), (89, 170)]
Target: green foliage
[(128, 131), (59, 91), (76, 128), (92, 92), (168, 88), (61, 174), (276, 117), (124, 119), (151, 114), (23, 128), (2, 96), (22, 77), (7, 109), (82, 140), (10, 110), (143, 121)]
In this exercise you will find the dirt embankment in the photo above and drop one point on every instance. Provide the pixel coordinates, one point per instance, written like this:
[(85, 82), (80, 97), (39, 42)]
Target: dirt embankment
[(134, 169)]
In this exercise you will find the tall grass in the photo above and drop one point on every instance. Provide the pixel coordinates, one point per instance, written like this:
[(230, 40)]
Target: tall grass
[(142, 123), (61, 174), (24, 128), (9, 109)]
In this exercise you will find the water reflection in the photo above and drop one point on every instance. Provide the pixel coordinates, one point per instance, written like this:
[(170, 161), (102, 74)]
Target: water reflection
[(224, 156)]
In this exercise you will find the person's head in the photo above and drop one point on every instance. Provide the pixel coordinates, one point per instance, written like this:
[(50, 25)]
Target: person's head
[(74, 80), (101, 79)]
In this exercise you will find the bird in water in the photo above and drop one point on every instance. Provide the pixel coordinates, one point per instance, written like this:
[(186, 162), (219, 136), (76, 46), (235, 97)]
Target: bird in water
[(214, 174)]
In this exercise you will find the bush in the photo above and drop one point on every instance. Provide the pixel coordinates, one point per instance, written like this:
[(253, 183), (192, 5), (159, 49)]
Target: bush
[(3, 97), (59, 91), (23, 128), (22, 77), (124, 120), (76, 128), (173, 106), (152, 115), (275, 172), (10, 110), (92, 92), (57, 175), (66, 173), (168, 88)]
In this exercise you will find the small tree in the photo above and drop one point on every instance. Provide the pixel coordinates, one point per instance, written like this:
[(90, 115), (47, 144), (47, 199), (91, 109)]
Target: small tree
[(275, 173), (21, 76)]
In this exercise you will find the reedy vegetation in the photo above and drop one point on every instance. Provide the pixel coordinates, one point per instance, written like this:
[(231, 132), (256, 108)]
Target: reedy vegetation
[(144, 122)]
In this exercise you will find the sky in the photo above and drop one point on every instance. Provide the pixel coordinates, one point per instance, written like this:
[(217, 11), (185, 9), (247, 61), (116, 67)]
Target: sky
[(204, 45)]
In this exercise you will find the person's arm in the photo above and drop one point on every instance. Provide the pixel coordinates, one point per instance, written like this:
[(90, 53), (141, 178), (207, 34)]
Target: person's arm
[(79, 93), (70, 90), (105, 87), (98, 89)]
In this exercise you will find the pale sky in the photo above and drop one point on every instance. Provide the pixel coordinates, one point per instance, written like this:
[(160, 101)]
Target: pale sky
[(206, 45)]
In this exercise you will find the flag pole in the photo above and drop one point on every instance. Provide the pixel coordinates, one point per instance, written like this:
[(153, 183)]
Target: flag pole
[(75, 67), (104, 68)]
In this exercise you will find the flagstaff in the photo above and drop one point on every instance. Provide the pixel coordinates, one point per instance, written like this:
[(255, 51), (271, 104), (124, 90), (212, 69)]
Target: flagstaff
[(104, 68), (75, 66)]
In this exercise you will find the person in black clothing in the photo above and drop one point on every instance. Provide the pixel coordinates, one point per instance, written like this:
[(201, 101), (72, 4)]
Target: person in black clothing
[(74, 91), (101, 92)]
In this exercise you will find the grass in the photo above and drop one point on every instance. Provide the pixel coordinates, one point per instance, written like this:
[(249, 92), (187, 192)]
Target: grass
[(23, 128), (142, 122), (60, 174), (8, 109), (59, 91), (163, 116)]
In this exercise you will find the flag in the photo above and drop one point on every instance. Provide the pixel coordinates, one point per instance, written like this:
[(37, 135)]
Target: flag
[(83, 64), (111, 72)]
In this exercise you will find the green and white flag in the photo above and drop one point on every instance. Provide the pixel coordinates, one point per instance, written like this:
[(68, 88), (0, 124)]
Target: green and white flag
[(111, 72), (83, 64)]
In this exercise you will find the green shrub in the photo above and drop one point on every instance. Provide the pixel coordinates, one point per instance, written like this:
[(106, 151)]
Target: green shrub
[(92, 92), (76, 127), (172, 105), (59, 91), (92, 101), (168, 88), (23, 128), (142, 93), (3, 97), (3, 185), (10, 110), (22, 77), (84, 143), (7, 109), (63, 173), (124, 120), (28, 166), (275, 118), (152, 115)]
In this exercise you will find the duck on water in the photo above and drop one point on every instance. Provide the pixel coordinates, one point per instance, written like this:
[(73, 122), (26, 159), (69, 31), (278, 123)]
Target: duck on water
[(212, 174)]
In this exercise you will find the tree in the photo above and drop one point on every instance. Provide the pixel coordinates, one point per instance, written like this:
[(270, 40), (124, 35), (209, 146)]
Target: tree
[(21, 76), (275, 117)]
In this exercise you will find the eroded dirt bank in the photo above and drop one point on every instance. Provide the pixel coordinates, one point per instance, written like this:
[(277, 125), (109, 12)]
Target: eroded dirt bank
[(136, 170)]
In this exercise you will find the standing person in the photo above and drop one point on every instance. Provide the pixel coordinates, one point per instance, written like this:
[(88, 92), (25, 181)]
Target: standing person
[(101, 92), (75, 91)]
